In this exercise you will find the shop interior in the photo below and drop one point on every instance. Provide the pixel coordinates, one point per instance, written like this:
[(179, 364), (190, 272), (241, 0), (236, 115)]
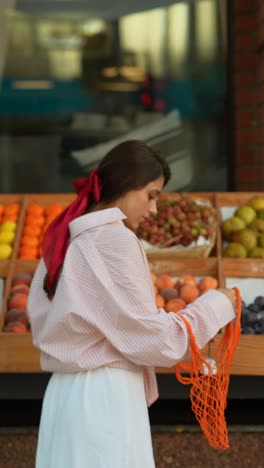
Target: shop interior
[(74, 80)]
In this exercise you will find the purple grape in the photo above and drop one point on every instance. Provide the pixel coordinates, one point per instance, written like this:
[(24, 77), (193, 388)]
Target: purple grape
[(248, 331), (252, 318), (254, 307), (259, 300)]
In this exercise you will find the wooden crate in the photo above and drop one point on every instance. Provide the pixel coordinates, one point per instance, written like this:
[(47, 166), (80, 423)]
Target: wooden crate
[(201, 251), (248, 357), (17, 353), (13, 198)]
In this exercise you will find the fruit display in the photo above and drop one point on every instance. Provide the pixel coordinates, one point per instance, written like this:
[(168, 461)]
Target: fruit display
[(174, 294), (243, 232), (8, 225), (180, 221), (252, 318), (36, 221), (175, 240), (16, 319)]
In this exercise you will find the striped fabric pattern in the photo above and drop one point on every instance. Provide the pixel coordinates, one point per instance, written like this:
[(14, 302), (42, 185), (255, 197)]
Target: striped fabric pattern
[(104, 311)]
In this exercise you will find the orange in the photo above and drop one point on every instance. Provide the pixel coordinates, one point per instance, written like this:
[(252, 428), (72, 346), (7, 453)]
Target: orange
[(1, 209), (34, 220), (35, 210), (10, 217), (53, 209), (11, 209), (28, 252), (32, 231), (28, 241)]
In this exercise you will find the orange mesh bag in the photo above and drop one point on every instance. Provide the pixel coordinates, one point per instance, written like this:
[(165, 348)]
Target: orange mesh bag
[(209, 380)]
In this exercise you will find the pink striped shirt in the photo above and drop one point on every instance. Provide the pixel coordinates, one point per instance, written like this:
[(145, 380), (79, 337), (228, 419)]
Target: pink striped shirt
[(104, 311)]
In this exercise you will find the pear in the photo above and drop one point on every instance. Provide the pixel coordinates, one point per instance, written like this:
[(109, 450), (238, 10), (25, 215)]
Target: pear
[(235, 250), (232, 225), (261, 214), (257, 203), (247, 213), (261, 240), (257, 252), (247, 238), (257, 225)]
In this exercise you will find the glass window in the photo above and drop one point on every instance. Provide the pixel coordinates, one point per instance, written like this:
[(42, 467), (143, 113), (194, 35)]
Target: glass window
[(72, 82)]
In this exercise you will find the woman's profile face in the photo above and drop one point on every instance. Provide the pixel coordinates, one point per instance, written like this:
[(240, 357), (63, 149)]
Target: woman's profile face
[(139, 204)]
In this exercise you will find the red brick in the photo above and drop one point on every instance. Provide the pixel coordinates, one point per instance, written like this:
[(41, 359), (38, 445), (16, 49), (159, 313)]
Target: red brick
[(245, 156), (245, 119), (260, 70), (246, 137), (244, 98), (245, 23), (242, 6), (247, 175), (260, 95), (260, 34), (245, 41), (245, 61), (260, 137), (260, 161), (260, 115), (260, 11), (245, 79)]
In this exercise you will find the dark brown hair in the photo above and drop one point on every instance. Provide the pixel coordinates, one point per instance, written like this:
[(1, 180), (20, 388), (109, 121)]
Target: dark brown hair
[(131, 165)]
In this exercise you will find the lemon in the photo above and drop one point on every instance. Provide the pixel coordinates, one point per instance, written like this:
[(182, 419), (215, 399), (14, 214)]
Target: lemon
[(8, 226), (5, 251), (7, 237)]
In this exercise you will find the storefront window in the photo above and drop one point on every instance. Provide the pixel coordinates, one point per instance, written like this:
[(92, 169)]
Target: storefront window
[(71, 82)]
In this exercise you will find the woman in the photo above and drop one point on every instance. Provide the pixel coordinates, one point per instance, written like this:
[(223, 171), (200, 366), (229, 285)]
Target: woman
[(96, 322)]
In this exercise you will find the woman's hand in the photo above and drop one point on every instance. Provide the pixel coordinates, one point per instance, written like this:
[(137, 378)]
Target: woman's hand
[(231, 295)]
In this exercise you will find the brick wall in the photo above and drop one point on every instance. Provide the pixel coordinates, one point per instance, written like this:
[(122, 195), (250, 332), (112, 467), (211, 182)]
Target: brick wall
[(247, 93)]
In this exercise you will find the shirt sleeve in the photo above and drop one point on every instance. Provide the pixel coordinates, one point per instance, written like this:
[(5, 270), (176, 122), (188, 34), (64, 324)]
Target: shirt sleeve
[(129, 318)]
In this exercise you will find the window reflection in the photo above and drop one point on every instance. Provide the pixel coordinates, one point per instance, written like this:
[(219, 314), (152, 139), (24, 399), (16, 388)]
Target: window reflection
[(86, 80)]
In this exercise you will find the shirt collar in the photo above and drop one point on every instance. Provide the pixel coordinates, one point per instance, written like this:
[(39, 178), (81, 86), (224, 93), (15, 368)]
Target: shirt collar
[(95, 219)]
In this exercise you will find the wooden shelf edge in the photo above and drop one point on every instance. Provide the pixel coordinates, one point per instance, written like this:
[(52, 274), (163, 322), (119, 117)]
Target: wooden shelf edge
[(248, 358), (18, 354)]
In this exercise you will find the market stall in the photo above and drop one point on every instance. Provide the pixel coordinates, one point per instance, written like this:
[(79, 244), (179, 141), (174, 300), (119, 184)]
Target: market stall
[(202, 258)]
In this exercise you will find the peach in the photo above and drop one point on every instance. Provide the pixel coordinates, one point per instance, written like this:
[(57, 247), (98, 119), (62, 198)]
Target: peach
[(169, 293), (206, 283), (160, 302), (17, 315), (18, 301), (165, 281), (19, 288), (189, 293), (15, 327), (186, 279), (175, 305), (22, 278)]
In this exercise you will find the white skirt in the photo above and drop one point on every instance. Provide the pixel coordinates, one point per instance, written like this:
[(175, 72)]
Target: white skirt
[(95, 419)]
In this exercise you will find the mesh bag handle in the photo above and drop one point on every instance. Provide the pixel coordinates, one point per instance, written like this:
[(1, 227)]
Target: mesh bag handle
[(209, 383)]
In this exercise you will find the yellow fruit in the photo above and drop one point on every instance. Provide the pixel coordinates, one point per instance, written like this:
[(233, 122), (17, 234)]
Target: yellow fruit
[(7, 237), (8, 226), (5, 251)]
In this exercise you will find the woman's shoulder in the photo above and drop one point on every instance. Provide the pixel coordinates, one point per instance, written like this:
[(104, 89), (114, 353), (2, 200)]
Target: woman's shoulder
[(119, 241), (117, 231)]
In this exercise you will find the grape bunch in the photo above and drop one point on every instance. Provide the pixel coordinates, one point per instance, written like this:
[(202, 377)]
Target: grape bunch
[(180, 221), (252, 317)]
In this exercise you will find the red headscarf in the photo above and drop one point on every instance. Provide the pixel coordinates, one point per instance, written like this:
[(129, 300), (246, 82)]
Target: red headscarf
[(57, 237)]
